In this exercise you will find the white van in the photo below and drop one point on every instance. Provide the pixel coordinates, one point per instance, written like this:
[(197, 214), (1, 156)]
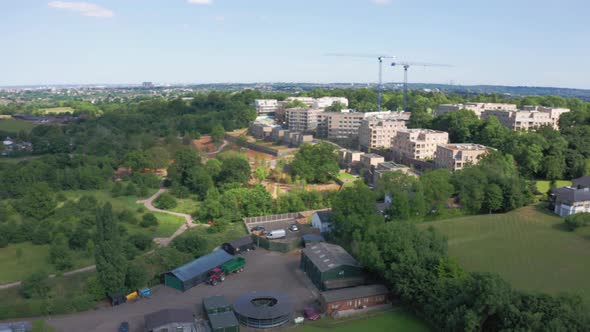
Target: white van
[(276, 234)]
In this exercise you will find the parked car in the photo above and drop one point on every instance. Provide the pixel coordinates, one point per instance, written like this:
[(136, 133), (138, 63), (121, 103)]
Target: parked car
[(257, 228), (294, 228), (276, 234), (124, 327), (311, 314)]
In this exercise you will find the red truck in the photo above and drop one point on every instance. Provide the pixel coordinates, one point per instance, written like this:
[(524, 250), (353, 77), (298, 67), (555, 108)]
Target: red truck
[(218, 274)]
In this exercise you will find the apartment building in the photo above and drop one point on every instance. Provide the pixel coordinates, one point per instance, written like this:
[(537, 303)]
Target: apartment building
[(530, 118), (457, 156), (371, 160), (477, 108), (266, 106), (418, 143), (302, 119), (306, 100), (388, 167), (377, 131), (328, 101)]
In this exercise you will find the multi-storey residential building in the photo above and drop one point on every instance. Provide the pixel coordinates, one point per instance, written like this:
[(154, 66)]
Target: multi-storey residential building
[(306, 100), (328, 101), (377, 131), (532, 118), (477, 108), (266, 106), (302, 119), (418, 143), (457, 156), (388, 167)]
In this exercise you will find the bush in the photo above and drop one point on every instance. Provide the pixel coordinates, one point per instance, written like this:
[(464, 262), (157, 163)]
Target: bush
[(35, 286), (577, 220), (148, 220), (128, 217), (131, 189), (141, 241), (165, 202)]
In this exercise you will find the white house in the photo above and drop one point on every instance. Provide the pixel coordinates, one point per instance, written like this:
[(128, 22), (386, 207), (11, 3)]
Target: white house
[(321, 221), (569, 200)]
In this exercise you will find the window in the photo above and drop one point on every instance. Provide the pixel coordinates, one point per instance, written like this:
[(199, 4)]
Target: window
[(179, 329), (349, 303)]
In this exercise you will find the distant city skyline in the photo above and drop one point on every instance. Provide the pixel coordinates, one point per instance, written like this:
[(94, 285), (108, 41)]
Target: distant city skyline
[(513, 43)]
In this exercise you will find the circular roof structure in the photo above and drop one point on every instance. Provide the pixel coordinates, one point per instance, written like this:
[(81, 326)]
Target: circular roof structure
[(264, 309)]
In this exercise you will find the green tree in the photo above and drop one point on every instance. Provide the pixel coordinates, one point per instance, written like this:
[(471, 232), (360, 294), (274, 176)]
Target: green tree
[(493, 198), (315, 163), (59, 253), (165, 202), (110, 260), (149, 220), (217, 133), (36, 286), (38, 201), (335, 107), (234, 169)]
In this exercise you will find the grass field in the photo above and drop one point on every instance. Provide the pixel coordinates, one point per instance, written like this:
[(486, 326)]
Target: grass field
[(528, 247), (186, 205), (382, 322), (14, 126), (55, 110), (20, 260), (544, 185)]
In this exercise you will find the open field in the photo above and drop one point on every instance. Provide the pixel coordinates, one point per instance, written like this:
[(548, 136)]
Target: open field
[(397, 320), (544, 185), (186, 205), (528, 247), (20, 260), (55, 110), (14, 126)]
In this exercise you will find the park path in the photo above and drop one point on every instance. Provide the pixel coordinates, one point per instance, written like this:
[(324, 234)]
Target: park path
[(219, 149), (188, 220), (161, 241)]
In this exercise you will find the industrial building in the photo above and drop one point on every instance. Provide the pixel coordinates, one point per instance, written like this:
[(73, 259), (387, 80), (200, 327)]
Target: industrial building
[(177, 320), (329, 266), (239, 246), (264, 310), (220, 314), (339, 301), (193, 273)]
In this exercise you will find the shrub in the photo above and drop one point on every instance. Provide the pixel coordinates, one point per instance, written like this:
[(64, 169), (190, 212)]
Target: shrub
[(141, 241), (35, 286), (577, 220), (165, 202), (149, 219)]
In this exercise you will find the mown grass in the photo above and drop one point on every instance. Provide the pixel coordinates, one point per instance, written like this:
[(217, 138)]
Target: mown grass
[(528, 247), (14, 125), (544, 185), (186, 205), (55, 110), (20, 260), (397, 320)]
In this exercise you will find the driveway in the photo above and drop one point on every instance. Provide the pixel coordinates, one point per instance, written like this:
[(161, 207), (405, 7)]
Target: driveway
[(265, 271)]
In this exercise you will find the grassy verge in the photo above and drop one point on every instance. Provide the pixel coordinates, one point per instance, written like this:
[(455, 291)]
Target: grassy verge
[(186, 205), (20, 260), (68, 294), (528, 247), (544, 185), (395, 320), (14, 125)]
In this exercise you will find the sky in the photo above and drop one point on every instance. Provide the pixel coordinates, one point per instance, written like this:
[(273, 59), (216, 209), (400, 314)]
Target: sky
[(503, 42)]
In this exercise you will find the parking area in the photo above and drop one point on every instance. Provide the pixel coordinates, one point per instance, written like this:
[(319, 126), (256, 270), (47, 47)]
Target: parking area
[(265, 271)]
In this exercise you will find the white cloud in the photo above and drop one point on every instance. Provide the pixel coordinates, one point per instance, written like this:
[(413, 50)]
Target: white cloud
[(382, 2), (84, 8), (200, 2)]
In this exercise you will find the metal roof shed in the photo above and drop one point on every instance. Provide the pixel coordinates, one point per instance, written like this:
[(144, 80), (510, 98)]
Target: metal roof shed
[(193, 273), (216, 304), (238, 246), (224, 322)]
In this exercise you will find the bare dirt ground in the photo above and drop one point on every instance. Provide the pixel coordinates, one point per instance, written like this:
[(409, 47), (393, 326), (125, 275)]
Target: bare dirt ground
[(265, 271)]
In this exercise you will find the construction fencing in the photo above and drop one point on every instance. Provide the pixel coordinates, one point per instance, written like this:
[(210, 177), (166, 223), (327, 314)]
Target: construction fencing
[(271, 218)]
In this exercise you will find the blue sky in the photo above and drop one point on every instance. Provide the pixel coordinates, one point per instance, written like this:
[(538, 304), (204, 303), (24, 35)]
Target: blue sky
[(517, 42)]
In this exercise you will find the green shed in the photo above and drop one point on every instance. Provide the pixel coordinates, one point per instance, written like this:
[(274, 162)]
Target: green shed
[(215, 305), (329, 266), (193, 273), (224, 322)]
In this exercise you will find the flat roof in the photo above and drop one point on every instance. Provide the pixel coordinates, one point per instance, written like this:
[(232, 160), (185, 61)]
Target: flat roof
[(223, 320), (465, 146), (167, 316), (215, 302), (353, 293), (201, 265), (327, 256)]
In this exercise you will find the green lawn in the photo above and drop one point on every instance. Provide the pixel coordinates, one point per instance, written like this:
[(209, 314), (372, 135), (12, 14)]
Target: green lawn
[(346, 177), (544, 185), (234, 231), (186, 205), (14, 125), (32, 258), (528, 247), (381, 322), (55, 110)]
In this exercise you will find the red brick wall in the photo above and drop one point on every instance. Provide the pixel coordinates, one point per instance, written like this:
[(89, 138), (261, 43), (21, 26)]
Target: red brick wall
[(368, 301)]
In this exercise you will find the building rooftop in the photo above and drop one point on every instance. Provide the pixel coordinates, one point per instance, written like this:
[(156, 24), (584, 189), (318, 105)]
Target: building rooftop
[(583, 182), (223, 320), (166, 316), (215, 302), (569, 194), (327, 256), (246, 240), (371, 155), (324, 216), (201, 265), (353, 293), (465, 146)]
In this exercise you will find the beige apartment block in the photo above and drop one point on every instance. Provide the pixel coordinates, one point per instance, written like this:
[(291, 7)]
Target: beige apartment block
[(377, 131), (477, 108), (457, 156), (371, 160), (302, 119), (418, 143), (529, 119)]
